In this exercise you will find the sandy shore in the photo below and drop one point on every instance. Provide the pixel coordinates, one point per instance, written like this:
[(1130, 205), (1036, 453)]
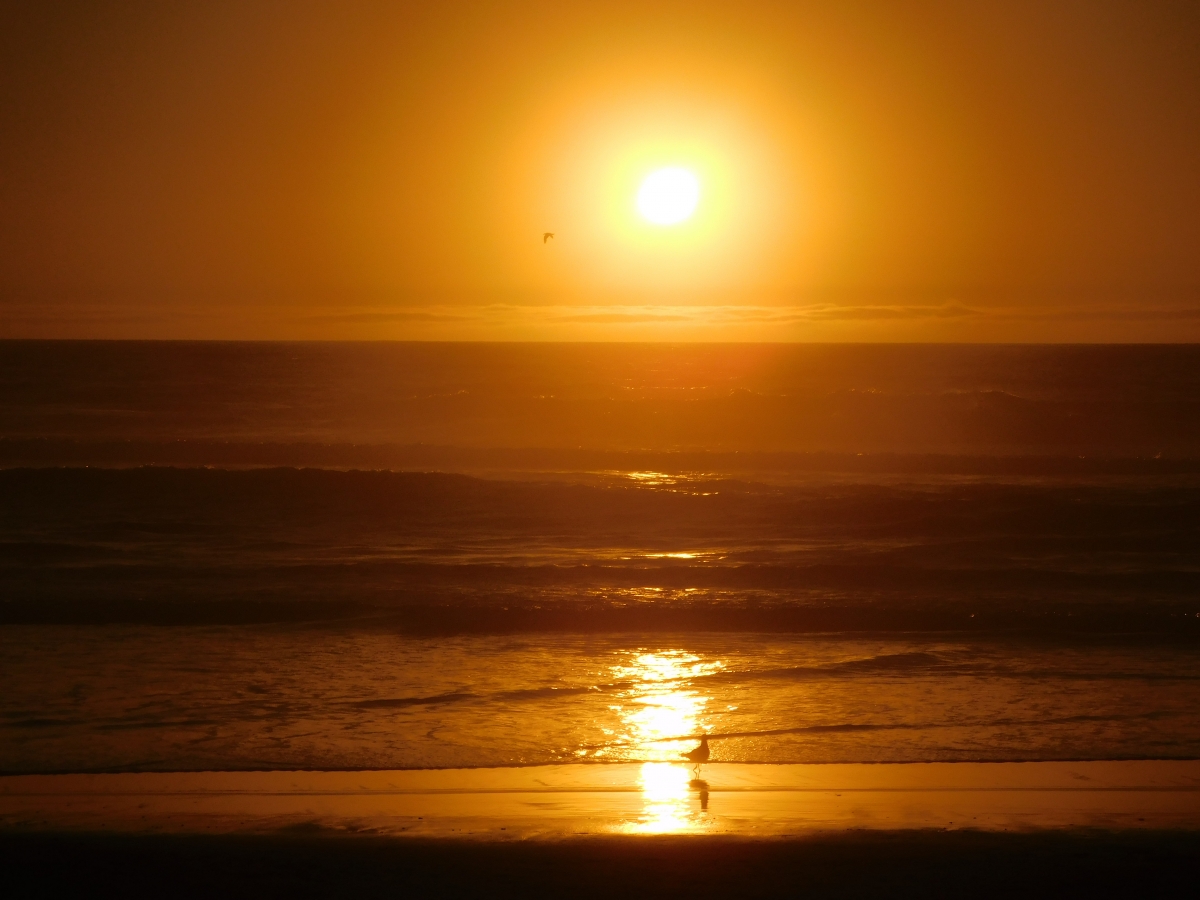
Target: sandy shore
[(930, 830), (646, 799)]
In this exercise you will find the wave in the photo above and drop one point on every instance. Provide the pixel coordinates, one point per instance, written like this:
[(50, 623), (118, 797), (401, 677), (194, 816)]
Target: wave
[(685, 467), (437, 553), (460, 697), (866, 727), (887, 662)]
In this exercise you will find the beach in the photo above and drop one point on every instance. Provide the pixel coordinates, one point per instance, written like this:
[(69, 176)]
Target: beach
[(651, 830), (314, 639), (557, 802)]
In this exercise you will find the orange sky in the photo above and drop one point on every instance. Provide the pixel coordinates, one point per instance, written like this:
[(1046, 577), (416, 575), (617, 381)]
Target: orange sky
[(901, 171)]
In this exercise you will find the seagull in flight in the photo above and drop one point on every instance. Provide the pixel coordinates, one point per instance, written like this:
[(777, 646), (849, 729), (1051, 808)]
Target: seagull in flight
[(547, 235), (699, 756)]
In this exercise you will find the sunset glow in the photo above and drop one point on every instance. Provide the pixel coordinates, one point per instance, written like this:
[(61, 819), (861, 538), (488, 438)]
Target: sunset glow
[(857, 173), (623, 449)]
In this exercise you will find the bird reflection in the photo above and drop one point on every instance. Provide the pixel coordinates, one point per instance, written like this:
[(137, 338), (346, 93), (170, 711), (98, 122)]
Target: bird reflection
[(697, 784)]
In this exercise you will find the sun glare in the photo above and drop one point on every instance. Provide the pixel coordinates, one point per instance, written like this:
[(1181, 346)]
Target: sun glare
[(660, 199), (662, 713), (660, 709), (668, 196)]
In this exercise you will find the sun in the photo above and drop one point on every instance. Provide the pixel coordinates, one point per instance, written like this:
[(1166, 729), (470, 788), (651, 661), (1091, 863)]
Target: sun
[(668, 196)]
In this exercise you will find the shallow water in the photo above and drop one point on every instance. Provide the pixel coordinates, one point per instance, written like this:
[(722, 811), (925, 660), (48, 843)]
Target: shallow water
[(121, 698)]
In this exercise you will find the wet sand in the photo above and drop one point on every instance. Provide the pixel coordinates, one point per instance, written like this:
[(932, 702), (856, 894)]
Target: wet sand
[(629, 799), (930, 830)]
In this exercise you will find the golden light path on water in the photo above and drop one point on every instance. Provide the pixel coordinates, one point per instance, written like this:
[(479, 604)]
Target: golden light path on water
[(662, 714)]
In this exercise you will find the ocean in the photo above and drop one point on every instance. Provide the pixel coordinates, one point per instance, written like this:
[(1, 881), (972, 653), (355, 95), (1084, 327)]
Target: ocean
[(251, 556)]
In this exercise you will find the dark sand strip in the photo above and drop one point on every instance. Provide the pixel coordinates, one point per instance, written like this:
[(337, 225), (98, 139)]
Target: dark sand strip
[(925, 864)]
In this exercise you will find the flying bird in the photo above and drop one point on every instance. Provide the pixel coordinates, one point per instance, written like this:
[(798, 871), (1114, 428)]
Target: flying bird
[(699, 756), (547, 236)]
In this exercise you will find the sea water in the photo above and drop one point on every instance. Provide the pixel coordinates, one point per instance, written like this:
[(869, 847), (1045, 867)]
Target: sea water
[(257, 556)]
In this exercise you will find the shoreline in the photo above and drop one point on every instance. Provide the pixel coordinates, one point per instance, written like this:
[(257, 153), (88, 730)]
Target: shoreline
[(633, 799)]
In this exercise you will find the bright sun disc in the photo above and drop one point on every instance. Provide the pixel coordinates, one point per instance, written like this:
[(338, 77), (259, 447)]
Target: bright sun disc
[(668, 196)]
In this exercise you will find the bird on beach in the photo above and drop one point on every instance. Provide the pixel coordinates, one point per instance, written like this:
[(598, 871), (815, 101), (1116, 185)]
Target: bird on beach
[(546, 236), (698, 756)]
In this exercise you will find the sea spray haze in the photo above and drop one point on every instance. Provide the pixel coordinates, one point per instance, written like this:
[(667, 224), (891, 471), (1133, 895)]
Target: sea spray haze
[(339, 555)]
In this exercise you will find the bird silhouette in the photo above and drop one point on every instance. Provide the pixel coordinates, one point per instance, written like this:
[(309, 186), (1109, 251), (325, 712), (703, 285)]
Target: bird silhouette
[(698, 756), (547, 235)]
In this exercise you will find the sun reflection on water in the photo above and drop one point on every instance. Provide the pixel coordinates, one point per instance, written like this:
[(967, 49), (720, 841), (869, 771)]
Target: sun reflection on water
[(662, 713), (666, 803), (660, 710)]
